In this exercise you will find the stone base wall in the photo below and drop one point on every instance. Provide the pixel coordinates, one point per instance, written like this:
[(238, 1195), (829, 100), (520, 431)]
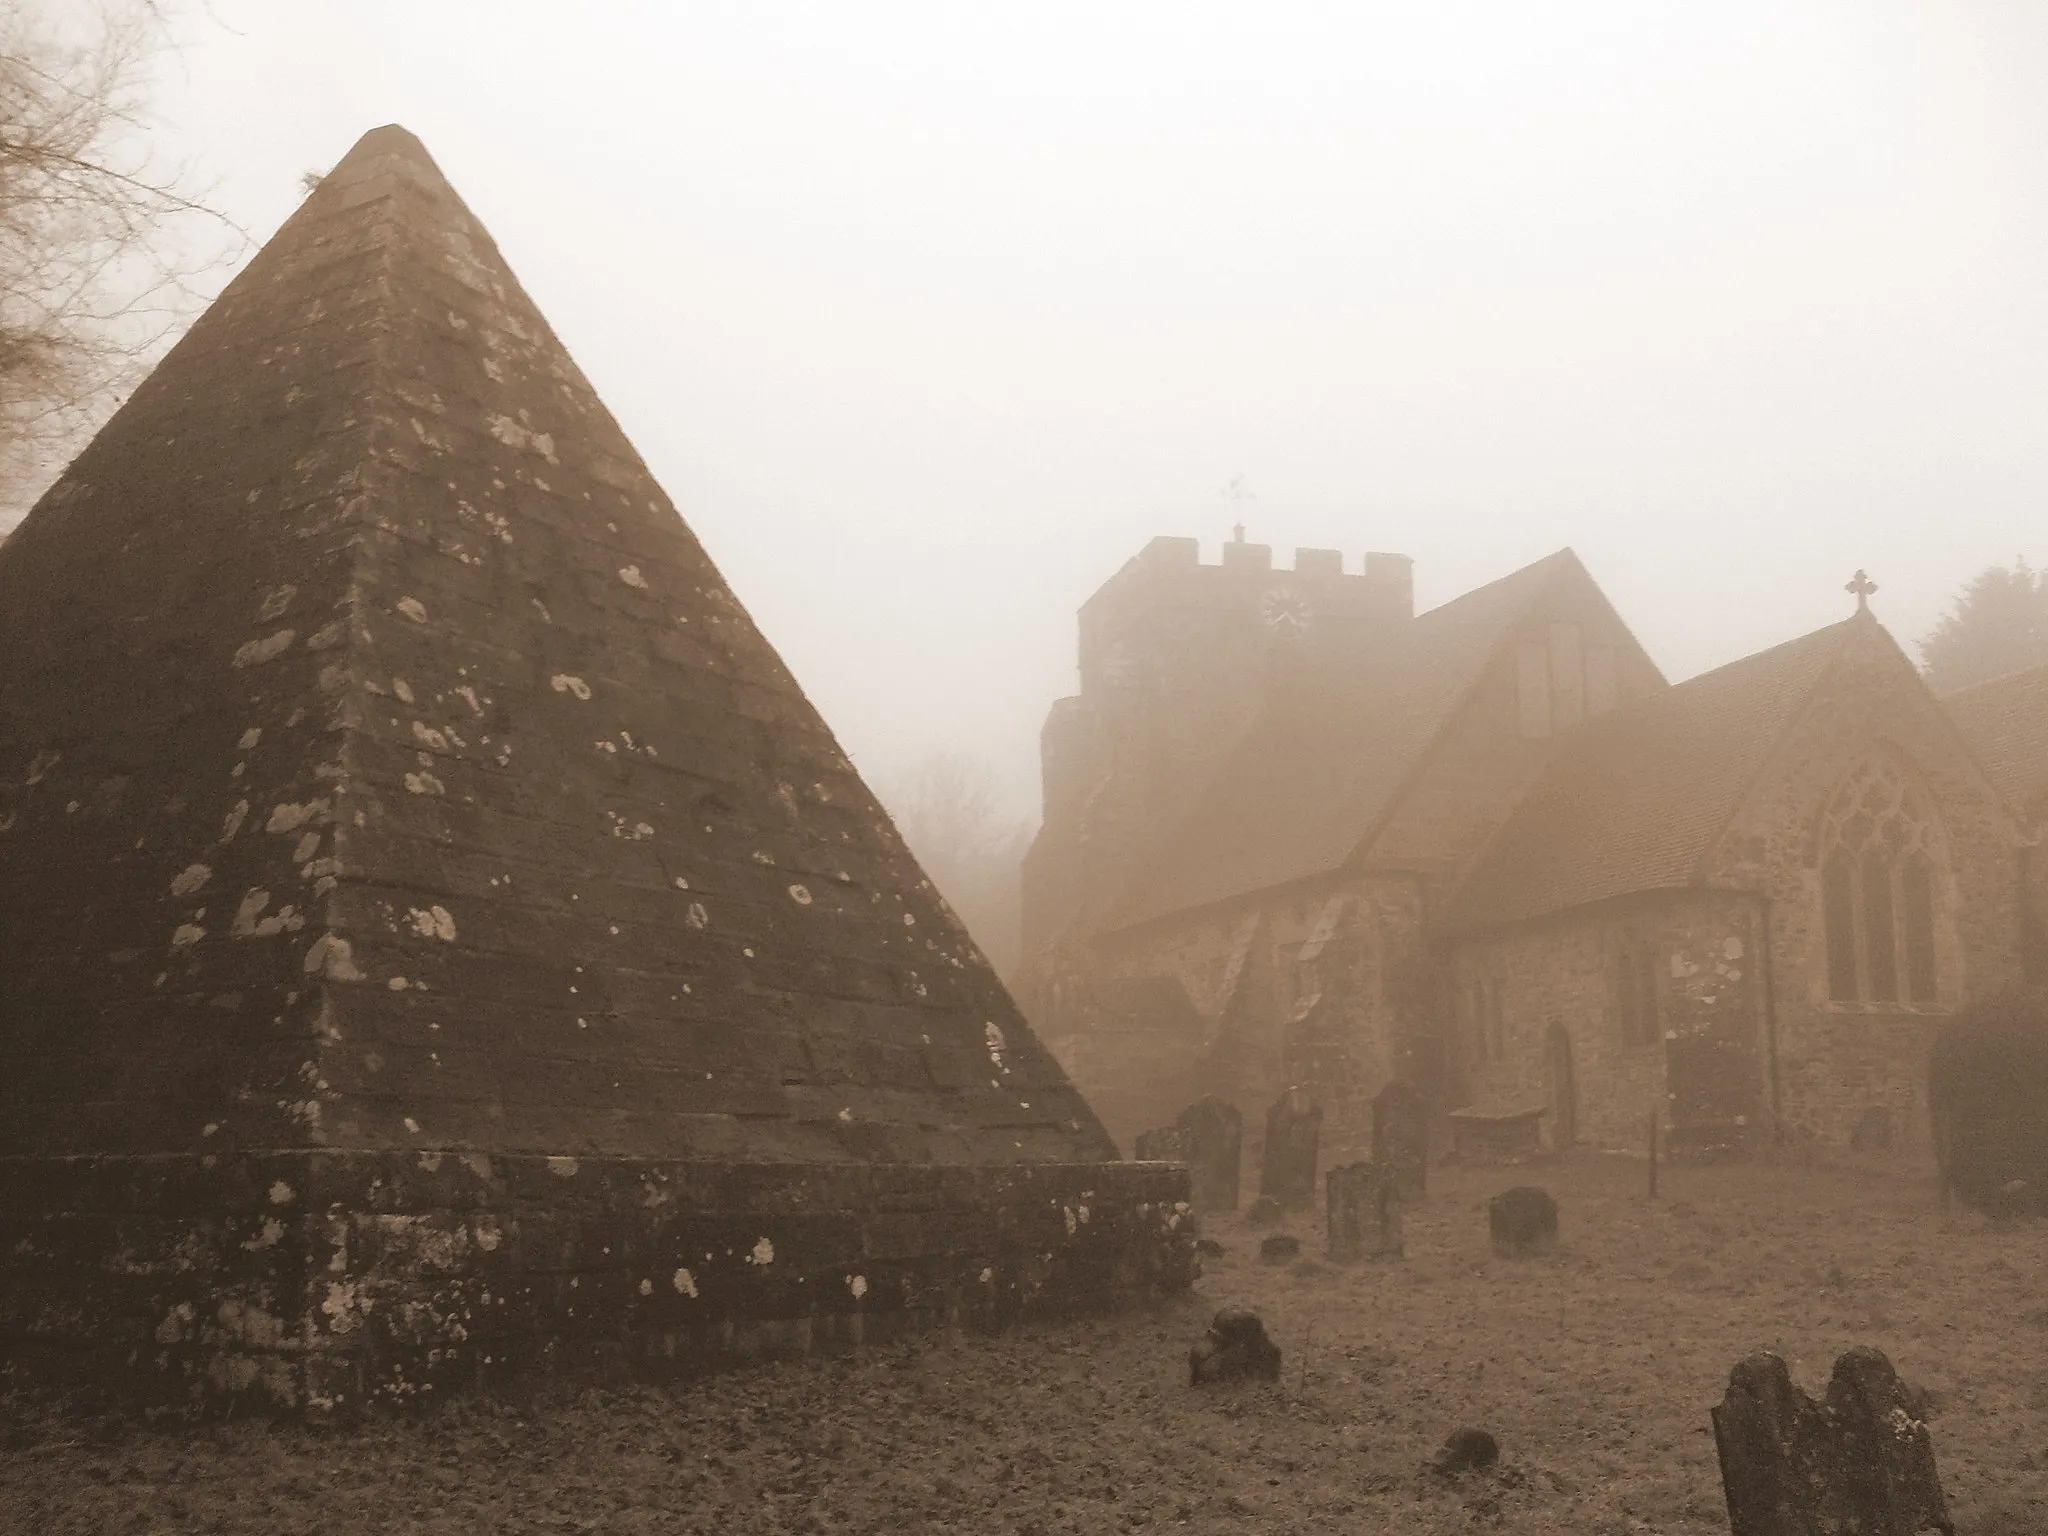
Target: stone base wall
[(324, 1282)]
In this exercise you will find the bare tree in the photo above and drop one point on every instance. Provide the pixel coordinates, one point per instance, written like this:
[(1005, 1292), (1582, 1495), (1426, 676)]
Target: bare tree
[(949, 813), (1999, 624), (93, 273)]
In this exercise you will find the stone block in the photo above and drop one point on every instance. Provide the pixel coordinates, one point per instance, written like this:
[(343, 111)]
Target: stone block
[(1364, 1212), (1400, 1137), (1235, 1348), (1287, 1169), (1167, 1144), (1215, 1143), (1522, 1222)]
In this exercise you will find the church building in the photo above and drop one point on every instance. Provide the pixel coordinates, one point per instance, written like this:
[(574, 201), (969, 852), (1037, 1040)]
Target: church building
[(1296, 833)]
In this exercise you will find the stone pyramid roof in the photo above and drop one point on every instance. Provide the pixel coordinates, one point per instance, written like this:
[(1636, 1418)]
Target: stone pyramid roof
[(383, 764)]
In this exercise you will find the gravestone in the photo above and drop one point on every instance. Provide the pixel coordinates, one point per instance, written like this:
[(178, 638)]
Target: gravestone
[(1235, 1347), (1465, 1450), (1400, 1137), (1167, 1144), (1280, 1248), (1364, 1205), (1522, 1221), (1215, 1146), (1287, 1170), (1857, 1463)]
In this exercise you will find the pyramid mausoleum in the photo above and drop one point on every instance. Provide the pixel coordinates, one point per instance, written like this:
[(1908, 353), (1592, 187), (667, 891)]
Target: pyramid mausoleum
[(437, 936)]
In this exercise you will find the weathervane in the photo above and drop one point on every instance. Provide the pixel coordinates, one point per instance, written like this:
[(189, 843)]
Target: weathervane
[(1238, 493), (1861, 586)]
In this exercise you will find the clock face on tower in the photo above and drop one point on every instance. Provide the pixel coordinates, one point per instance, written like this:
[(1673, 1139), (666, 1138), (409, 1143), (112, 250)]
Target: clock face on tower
[(1284, 610)]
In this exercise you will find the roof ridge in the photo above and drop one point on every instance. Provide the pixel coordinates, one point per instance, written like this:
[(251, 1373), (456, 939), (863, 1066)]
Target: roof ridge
[(1601, 816), (1534, 577), (2001, 679), (1560, 560), (1840, 633)]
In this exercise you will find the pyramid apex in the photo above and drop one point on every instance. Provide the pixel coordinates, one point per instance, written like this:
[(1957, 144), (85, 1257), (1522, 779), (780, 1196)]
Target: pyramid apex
[(376, 150), (390, 139)]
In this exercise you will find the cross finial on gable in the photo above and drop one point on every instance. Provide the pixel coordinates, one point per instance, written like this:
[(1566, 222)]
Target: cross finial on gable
[(1861, 586)]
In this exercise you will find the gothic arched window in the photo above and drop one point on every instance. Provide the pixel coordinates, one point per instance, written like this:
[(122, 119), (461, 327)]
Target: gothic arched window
[(1879, 851)]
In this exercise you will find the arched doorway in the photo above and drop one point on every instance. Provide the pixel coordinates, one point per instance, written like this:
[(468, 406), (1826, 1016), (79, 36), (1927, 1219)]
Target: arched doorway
[(1564, 1090)]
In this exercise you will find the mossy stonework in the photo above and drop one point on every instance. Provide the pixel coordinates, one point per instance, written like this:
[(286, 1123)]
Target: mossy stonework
[(332, 1282), (419, 879)]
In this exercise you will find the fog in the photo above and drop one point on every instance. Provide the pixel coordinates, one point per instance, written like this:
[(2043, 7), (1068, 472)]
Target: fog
[(929, 315)]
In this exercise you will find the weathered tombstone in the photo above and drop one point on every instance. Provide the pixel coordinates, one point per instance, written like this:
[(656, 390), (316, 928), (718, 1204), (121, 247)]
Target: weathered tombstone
[(1522, 1221), (1364, 1206), (1287, 1171), (1167, 1144), (1400, 1137), (1215, 1142), (1858, 1463), (1263, 1212), (1235, 1346)]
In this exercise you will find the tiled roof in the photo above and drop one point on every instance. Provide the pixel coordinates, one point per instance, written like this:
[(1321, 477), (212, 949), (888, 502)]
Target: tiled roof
[(2005, 722), (1332, 752), (1635, 800)]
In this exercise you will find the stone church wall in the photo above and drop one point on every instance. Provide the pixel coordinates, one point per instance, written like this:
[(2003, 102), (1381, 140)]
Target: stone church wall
[(1341, 1022), (1838, 1063), (1697, 1058)]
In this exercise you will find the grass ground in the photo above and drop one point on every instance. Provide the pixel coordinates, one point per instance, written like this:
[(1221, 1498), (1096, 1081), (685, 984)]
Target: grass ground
[(1595, 1368)]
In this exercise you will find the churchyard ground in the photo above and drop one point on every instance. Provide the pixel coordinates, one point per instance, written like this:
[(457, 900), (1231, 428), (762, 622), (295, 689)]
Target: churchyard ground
[(1594, 1367)]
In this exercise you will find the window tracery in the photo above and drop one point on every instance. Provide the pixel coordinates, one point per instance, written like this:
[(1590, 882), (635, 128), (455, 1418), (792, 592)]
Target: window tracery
[(1880, 851)]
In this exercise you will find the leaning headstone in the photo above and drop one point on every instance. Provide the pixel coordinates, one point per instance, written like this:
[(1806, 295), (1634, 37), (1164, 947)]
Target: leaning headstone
[(1858, 1463), (1235, 1347), (1215, 1143), (1400, 1136), (1287, 1171), (1167, 1144), (1364, 1207), (1522, 1221)]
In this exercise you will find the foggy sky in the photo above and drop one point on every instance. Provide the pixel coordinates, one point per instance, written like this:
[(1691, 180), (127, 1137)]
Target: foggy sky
[(929, 315)]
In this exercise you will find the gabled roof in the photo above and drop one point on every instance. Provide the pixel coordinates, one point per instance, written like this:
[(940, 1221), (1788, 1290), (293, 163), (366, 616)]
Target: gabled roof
[(1635, 800), (2005, 722), (1330, 755)]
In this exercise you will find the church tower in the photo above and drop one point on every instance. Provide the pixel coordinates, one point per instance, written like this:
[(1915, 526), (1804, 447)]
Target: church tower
[(1176, 660)]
